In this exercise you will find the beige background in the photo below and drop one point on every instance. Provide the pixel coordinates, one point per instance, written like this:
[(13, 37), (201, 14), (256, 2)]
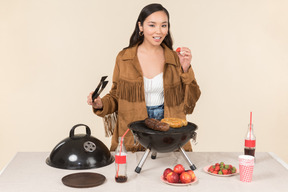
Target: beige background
[(53, 53)]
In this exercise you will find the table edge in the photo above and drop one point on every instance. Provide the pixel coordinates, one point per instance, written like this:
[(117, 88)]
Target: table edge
[(277, 158), (7, 164)]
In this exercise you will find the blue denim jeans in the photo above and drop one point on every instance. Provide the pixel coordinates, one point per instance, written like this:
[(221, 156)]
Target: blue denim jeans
[(156, 112)]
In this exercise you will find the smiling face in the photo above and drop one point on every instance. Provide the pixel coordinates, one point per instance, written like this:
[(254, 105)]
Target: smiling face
[(155, 28)]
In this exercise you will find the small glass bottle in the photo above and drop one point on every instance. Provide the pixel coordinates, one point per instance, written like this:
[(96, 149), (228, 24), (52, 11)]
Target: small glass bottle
[(250, 142), (120, 162)]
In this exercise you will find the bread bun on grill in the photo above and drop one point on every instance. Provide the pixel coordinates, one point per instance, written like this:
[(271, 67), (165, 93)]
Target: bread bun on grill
[(175, 122)]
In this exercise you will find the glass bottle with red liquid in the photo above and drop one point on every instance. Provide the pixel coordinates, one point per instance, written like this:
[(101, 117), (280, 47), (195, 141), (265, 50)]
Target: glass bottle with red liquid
[(120, 162), (250, 140)]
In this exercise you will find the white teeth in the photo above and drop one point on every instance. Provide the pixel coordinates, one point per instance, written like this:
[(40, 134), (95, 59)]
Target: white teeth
[(156, 37)]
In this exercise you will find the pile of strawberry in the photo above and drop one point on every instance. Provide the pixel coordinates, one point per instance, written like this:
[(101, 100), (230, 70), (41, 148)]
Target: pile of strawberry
[(222, 169)]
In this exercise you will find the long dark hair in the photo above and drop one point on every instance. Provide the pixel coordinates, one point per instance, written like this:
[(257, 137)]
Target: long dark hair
[(146, 11)]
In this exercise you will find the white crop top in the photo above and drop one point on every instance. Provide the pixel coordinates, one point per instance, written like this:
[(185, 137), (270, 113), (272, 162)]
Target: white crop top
[(154, 91)]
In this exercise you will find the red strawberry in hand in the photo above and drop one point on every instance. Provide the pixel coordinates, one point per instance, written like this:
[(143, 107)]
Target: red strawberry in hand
[(178, 50)]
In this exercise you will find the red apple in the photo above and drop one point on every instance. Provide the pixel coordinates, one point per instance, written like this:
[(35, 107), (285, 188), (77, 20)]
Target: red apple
[(185, 177), (179, 169), (173, 177), (165, 173), (193, 176)]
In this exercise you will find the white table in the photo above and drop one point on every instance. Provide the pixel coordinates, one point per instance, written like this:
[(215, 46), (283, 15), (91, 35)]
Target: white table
[(28, 172)]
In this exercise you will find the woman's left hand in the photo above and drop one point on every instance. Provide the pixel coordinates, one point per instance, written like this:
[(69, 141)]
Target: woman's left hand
[(185, 57)]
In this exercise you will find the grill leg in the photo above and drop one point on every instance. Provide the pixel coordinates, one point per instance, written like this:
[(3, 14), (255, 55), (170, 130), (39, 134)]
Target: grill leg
[(192, 166), (153, 155), (142, 161)]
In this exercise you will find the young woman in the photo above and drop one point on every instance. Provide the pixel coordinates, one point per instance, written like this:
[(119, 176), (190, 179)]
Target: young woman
[(149, 79)]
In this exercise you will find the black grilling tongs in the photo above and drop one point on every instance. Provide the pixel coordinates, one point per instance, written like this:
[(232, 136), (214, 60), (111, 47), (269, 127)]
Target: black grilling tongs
[(102, 84)]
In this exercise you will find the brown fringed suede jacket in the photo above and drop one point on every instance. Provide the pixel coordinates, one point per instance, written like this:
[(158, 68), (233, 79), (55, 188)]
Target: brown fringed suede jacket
[(125, 102)]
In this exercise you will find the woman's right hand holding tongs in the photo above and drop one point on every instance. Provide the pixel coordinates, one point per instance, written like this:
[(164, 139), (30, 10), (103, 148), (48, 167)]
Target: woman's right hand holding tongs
[(97, 103)]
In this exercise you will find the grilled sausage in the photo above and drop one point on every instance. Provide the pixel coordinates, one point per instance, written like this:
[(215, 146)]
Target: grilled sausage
[(151, 123), (156, 125), (161, 126)]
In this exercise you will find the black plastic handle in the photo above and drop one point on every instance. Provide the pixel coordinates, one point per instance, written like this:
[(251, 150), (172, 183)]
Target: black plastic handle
[(88, 131), (193, 135)]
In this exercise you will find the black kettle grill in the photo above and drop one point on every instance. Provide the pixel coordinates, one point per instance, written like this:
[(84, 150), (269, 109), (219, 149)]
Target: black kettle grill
[(162, 141)]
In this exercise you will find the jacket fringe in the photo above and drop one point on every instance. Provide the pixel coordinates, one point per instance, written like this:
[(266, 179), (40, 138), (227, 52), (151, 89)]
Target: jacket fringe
[(131, 91), (110, 121), (191, 98), (174, 95)]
